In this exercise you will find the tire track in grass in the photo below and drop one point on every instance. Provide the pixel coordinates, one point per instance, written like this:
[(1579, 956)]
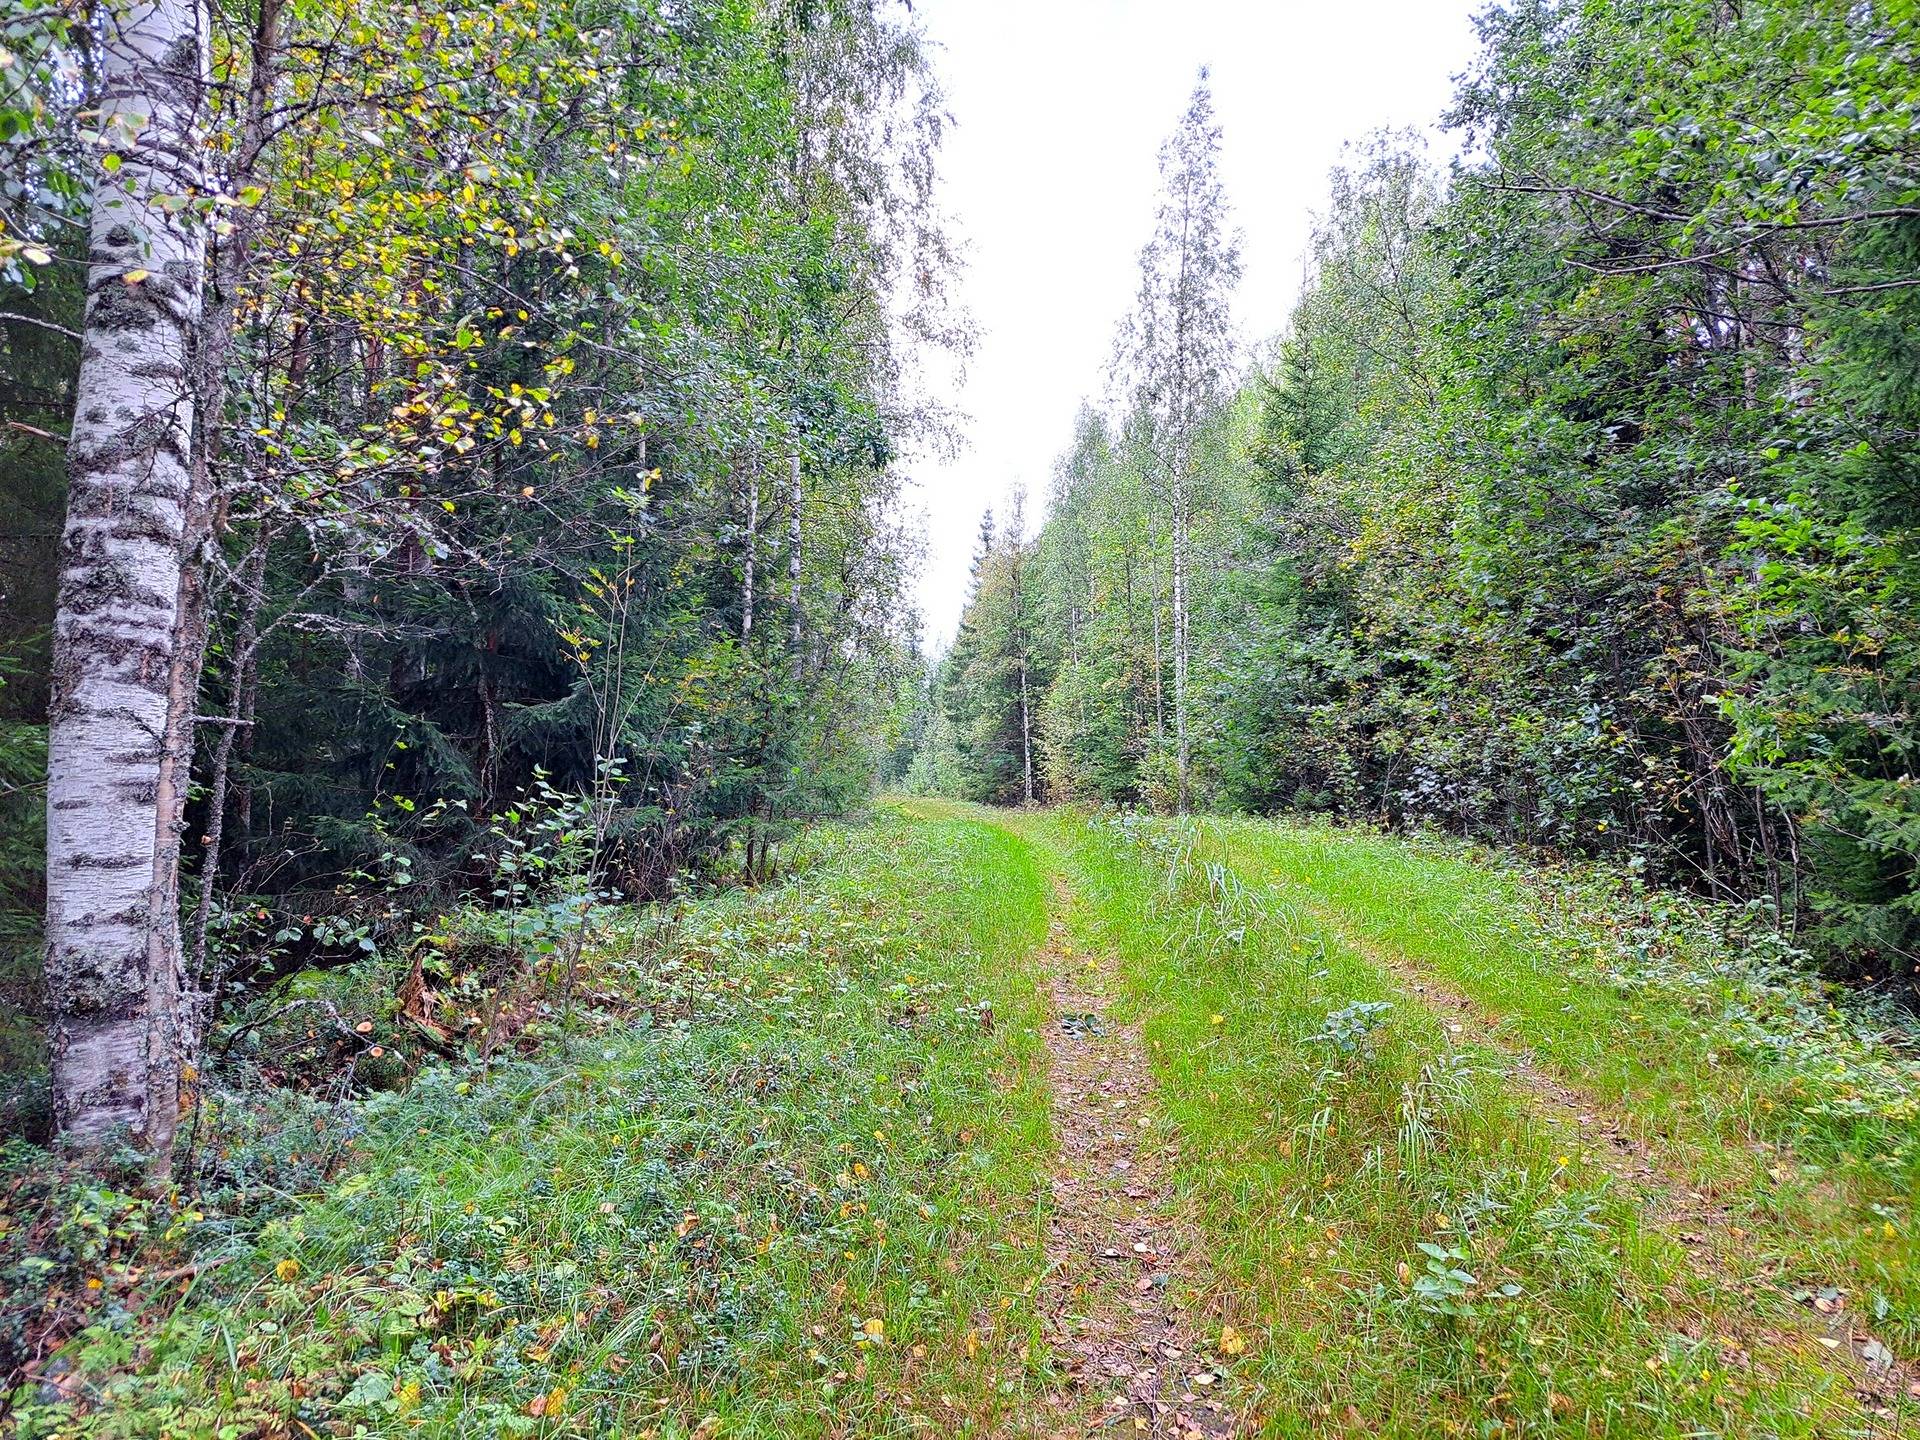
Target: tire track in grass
[(1121, 1260), (1714, 1248), (1354, 1342), (1338, 1342)]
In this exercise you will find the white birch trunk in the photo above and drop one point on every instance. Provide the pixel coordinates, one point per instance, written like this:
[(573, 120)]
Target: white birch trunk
[(753, 551), (113, 950), (796, 534), (1180, 631)]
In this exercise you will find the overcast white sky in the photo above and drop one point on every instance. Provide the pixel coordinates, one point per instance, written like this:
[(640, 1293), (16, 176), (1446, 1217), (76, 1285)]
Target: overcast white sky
[(1059, 107)]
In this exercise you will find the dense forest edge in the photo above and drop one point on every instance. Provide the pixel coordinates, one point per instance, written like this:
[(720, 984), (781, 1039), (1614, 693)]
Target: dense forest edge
[(506, 923), (535, 527)]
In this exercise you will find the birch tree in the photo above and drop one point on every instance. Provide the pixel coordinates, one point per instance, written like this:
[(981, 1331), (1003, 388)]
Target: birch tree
[(1177, 352), (362, 279), (113, 949), (1018, 606)]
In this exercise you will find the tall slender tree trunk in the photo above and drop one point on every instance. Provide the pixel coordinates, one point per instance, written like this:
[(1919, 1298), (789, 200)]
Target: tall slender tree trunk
[(1017, 579), (1181, 752), (1026, 733), (243, 757), (748, 562), (118, 694), (213, 349), (198, 1001), (1159, 665), (796, 534)]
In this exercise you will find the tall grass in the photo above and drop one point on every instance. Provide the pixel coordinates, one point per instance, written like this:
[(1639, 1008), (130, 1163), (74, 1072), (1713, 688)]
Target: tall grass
[(1798, 1108)]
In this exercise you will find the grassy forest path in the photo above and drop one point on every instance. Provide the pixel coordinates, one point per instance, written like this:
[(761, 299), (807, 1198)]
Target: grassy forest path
[(1439, 1185), (1741, 1253), (996, 1124), (1702, 1146), (1121, 1258), (1742, 1256)]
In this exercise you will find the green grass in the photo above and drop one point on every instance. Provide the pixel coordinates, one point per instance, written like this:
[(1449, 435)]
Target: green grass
[(804, 1198), (804, 1192), (1323, 1146), (1749, 1083)]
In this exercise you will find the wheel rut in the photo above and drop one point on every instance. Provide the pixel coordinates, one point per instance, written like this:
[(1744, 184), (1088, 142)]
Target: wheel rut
[(1697, 1219), (1122, 1261)]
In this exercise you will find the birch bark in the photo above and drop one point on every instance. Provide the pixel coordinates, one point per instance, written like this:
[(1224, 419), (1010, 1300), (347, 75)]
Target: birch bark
[(748, 563), (796, 536), (113, 954), (1180, 347)]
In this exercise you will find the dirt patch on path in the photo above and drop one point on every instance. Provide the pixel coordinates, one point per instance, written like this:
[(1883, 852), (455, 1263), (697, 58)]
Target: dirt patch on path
[(1119, 1256)]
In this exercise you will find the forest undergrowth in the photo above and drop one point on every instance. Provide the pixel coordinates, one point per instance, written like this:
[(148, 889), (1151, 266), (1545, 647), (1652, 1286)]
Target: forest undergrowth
[(793, 1193)]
